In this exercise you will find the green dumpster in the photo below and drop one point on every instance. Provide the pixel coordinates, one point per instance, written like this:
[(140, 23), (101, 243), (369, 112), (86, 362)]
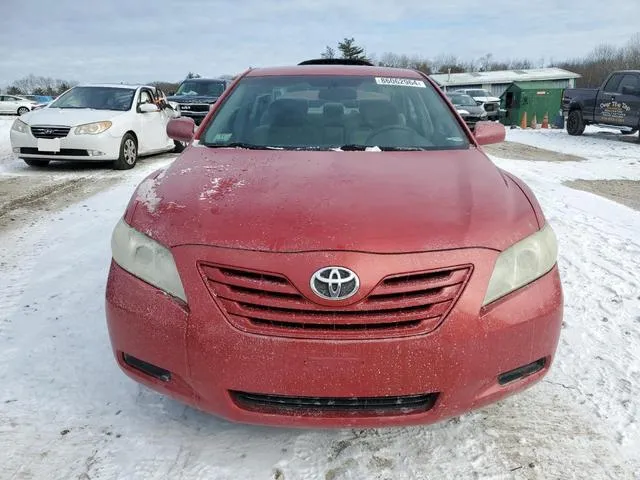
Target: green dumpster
[(534, 98)]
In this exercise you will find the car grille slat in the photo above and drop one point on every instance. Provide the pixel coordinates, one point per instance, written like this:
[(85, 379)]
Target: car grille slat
[(50, 131), (195, 107), (400, 305), (340, 406), (243, 278), (338, 317)]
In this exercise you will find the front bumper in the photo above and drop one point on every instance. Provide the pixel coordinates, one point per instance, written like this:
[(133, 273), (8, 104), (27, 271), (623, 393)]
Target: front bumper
[(72, 147), (222, 368)]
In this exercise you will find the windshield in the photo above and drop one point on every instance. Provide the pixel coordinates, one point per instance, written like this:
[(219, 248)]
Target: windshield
[(462, 100), (97, 98), (206, 89), (327, 112), (479, 93)]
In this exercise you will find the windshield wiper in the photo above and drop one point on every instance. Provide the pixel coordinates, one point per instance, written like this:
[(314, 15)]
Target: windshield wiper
[(352, 147), (362, 148), (403, 149), (248, 146)]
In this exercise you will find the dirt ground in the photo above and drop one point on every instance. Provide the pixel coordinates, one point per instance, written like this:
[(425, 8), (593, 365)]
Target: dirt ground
[(626, 192), (519, 151), (26, 193)]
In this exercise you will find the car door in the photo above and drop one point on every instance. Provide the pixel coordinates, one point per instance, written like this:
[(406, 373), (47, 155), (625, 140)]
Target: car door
[(606, 110), (13, 103), (629, 99), (3, 105), (153, 125)]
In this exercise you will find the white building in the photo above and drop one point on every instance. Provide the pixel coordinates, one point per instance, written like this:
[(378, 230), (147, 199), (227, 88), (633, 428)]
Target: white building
[(498, 81)]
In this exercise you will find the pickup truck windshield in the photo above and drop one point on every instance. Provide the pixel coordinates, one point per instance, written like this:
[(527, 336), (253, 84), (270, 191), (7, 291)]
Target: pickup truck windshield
[(205, 89), (478, 93), (96, 98), (319, 112)]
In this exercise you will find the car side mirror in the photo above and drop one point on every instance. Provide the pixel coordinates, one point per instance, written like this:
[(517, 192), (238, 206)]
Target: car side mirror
[(629, 90), (181, 129), (487, 133), (148, 108)]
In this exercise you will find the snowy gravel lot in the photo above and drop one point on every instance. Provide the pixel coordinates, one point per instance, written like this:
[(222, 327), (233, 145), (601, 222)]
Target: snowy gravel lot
[(67, 412)]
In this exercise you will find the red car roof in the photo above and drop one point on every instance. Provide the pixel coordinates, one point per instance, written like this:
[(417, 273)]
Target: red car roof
[(335, 70)]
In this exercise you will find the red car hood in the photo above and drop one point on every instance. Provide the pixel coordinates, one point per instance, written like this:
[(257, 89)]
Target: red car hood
[(286, 201)]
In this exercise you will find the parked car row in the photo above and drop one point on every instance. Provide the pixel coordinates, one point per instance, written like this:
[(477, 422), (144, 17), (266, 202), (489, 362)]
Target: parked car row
[(105, 122), (120, 123)]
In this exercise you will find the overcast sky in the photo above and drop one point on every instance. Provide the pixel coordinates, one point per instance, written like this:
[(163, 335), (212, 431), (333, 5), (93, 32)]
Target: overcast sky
[(141, 41)]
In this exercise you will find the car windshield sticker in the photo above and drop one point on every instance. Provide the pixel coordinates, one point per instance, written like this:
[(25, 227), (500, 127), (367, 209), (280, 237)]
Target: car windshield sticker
[(222, 137), (400, 82)]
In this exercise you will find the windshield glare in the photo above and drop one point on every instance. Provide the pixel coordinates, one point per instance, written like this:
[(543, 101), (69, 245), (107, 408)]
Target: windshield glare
[(328, 112), (208, 89), (97, 98)]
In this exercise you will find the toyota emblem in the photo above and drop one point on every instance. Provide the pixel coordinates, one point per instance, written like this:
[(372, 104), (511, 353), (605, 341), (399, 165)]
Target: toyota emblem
[(335, 283)]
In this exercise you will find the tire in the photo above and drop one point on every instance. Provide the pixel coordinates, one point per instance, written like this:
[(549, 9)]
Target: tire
[(36, 163), (575, 123), (128, 153), (179, 146), (23, 110)]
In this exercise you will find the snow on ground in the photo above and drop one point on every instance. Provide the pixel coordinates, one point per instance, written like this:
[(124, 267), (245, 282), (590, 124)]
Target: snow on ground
[(66, 411)]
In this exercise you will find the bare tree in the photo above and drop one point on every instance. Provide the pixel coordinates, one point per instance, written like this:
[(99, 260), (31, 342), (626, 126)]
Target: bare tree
[(328, 53), (36, 85)]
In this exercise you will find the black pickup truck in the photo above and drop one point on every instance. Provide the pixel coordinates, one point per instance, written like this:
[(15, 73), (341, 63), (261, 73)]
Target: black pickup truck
[(615, 104), (196, 95)]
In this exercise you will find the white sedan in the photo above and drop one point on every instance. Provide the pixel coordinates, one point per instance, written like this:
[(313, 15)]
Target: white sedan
[(15, 104), (96, 123)]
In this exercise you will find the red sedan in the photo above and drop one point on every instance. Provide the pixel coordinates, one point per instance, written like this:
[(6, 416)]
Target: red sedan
[(334, 248)]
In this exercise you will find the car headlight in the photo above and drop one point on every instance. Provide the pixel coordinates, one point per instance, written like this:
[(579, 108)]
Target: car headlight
[(522, 263), (20, 126), (463, 113), (146, 259), (92, 128)]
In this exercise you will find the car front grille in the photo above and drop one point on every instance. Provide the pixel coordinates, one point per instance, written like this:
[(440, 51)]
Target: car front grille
[(64, 152), (400, 305), (337, 406), (490, 107), (49, 131)]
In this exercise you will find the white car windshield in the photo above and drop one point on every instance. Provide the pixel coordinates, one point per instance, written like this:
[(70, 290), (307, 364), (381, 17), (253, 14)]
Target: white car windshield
[(321, 112), (96, 98)]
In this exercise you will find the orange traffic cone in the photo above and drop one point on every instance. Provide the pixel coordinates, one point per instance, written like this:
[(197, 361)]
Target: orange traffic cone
[(545, 121), (523, 121), (534, 122)]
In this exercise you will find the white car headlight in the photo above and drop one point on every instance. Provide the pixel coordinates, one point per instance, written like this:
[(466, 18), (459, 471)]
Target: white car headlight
[(146, 259), (462, 112), (20, 126), (522, 263), (92, 128)]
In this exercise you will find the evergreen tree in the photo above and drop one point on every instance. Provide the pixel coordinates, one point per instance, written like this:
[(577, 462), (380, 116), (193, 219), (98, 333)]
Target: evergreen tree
[(350, 50)]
